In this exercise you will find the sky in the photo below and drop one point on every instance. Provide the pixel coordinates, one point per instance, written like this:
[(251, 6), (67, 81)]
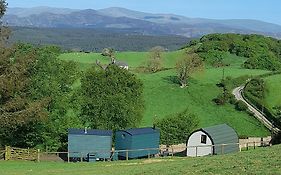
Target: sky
[(265, 10)]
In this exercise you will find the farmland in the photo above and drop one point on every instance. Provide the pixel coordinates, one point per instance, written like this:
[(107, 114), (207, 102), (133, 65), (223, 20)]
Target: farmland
[(273, 84), (259, 161), (163, 96)]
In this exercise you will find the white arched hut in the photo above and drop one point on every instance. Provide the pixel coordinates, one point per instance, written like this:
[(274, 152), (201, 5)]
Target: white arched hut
[(219, 139)]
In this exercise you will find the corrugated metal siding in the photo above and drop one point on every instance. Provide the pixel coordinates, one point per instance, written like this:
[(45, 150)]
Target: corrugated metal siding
[(145, 141), (101, 145), (138, 141), (223, 134), (122, 143)]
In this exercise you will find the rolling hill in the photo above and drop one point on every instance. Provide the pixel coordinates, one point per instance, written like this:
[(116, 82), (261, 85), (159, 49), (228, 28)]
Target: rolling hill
[(134, 22), (85, 39), (163, 96)]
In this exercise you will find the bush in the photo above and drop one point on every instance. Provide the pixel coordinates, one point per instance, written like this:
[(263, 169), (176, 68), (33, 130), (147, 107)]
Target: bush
[(276, 139), (176, 128), (241, 106)]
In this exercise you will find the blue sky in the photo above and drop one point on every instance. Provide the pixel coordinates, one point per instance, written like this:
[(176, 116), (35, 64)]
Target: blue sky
[(266, 10)]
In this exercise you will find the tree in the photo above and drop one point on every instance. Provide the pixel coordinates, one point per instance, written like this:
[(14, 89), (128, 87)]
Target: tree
[(109, 52), (154, 63), (37, 103), (4, 31), (189, 64), (54, 78), (112, 98), (176, 128), (17, 109)]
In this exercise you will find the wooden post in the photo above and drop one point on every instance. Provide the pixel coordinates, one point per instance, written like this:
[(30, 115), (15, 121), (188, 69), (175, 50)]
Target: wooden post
[(81, 157), (254, 145), (222, 149), (7, 153), (127, 155), (68, 158), (196, 151), (247, 145), (148, 154), (38, 155), (172, 151)]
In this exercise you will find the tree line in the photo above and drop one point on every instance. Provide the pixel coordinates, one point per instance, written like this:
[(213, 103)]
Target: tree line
[(262, 52)]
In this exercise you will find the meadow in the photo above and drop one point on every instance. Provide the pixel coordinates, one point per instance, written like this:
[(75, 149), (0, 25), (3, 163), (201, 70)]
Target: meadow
[(273, 95), (259, 161), (163, 96)]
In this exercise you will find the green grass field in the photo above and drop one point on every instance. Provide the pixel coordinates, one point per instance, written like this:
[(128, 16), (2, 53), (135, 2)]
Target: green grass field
[(259, 161), (273, 95), (163, 96)]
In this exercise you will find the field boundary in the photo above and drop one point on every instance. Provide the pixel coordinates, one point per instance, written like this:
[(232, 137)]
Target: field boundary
[(171, 151), (12, 153)]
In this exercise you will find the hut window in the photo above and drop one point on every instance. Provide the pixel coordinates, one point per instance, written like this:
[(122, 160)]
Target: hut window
[(123, 136), (203, 139)]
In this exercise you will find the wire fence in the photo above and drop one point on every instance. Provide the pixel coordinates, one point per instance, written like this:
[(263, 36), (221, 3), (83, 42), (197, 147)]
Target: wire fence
[(10, 153), (172, 151)]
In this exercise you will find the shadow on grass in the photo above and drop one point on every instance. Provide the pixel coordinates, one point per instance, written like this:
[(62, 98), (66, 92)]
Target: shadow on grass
[(172, 80)]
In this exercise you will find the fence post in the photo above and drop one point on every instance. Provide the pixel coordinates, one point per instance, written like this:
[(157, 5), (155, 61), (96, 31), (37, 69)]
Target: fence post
[(81, 157), (7, 153), (38, 155), (149, 154), (247, 145), (196, 151), (68, 157), (254, 145), (127, 155), (172, 151), (222, 149)]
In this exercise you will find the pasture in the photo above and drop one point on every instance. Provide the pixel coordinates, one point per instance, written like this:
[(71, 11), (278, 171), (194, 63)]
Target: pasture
[(259, 161), (163, 96), (273, 96)]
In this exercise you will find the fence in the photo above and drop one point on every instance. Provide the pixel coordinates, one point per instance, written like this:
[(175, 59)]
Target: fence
[(12, 153), (36, 155), (2, 154), (172, 151)]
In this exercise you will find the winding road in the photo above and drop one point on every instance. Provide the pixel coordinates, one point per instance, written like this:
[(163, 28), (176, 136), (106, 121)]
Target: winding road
[(237, 92)]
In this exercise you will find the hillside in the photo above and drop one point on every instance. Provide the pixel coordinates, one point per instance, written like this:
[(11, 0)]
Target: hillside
[(259, 161), (79, 39), (272, 95), (163, 96), (135, 22)]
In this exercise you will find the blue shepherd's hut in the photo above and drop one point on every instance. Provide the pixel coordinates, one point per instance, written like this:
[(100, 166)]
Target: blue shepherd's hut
[(140, 142), (93, 144)]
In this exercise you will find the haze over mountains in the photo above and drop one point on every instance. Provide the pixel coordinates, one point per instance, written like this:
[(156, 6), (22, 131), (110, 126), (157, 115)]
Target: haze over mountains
[(120, 19)]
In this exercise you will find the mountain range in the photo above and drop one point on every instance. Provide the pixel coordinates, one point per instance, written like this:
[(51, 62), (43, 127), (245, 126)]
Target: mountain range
[(135, 22)]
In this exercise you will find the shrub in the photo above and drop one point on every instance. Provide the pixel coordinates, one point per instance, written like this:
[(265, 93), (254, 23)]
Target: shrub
[(276, 139), (176, 128), (241, 106)]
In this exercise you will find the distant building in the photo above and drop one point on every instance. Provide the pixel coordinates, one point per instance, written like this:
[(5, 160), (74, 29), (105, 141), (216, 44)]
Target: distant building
[(136, 139), (82, 143), (121, 64), (208, 141)]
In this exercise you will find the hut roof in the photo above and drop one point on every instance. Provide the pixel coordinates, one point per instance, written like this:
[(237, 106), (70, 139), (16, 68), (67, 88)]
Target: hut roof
[(221, 134), (140, 131), (90, 132)]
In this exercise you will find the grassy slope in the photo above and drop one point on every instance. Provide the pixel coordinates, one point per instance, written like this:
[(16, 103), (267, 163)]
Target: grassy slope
[(164, 97), (259, 161), (273, 97)]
